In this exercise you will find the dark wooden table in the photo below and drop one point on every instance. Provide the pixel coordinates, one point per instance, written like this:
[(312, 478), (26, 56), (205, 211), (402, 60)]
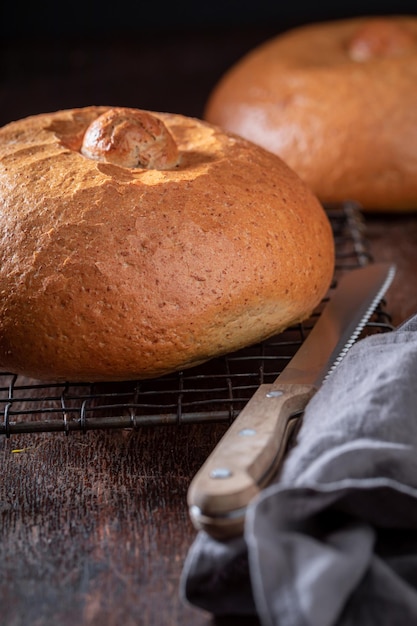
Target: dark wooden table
[(94, 527)]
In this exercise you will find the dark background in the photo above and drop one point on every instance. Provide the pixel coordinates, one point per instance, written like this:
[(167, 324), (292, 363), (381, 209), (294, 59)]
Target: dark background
[(54, 18), (152, 55)]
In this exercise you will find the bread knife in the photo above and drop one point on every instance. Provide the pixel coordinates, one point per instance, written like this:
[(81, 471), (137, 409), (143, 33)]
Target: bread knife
[(250, 453)]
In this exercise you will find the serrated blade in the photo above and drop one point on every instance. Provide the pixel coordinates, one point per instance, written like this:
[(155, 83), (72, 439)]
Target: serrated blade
[(339, 325), (252, 449)]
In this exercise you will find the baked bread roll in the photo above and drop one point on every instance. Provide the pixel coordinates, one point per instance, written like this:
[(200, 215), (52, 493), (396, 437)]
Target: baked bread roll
[(134, 244), (336, 101)]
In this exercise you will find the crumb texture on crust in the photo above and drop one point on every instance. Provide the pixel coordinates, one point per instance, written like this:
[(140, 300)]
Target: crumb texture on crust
[(115, 272), (336, 101)]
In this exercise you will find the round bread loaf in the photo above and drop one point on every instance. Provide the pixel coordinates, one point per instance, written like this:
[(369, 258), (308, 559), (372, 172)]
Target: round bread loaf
[(337, 101), (134, 244)]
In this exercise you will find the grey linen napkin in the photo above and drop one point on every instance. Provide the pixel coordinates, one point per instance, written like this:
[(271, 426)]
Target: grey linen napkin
[(334, 539)]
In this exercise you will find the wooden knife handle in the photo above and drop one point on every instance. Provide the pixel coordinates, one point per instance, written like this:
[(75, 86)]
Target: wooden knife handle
[(245, 459)]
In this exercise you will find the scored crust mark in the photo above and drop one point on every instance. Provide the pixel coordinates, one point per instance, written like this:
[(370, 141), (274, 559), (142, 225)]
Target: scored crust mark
[(380, 38), (130, 138)]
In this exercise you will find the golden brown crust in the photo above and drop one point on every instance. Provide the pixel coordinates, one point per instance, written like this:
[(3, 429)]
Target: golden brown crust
[(336, 101), (111, 273)]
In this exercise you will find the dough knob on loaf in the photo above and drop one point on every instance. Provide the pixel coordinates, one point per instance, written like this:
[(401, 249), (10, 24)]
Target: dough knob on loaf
[(115, 266), (130, 138), (380, 38)]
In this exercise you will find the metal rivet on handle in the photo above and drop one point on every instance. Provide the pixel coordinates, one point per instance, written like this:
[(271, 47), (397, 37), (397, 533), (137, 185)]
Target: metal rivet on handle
[(247, 432), (220, 472), (274, 394)]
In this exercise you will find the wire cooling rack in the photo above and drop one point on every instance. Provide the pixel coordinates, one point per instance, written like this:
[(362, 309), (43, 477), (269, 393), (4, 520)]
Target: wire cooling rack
[(215, 391)]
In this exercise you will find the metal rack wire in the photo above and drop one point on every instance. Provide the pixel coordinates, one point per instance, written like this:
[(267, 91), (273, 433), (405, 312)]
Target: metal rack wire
[(215, 391)]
